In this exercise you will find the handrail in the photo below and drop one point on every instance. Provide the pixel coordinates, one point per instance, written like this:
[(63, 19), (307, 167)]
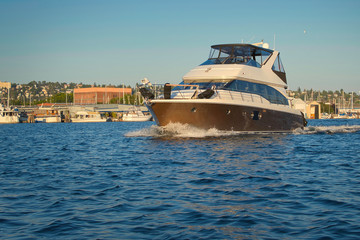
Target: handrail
[(249, 96), (185, 85)]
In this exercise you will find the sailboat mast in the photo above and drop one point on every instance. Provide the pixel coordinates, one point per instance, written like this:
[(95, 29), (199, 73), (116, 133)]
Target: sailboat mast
[(8, 100), (123, 95)]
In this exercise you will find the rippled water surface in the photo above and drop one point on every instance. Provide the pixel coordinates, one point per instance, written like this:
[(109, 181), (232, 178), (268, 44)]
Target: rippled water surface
[(138, 181)]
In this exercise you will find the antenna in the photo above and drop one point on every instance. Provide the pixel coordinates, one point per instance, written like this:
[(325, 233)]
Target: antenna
[(274, 40)]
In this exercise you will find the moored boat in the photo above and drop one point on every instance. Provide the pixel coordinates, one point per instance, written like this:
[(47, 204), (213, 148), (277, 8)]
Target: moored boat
[(9, 115), (241, 87), (46, 115), (86, 116), (134, 114)]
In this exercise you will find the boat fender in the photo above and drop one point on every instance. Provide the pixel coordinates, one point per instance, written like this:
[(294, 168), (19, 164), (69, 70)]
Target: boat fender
[(206, 94), (167, 91), (146, 93)]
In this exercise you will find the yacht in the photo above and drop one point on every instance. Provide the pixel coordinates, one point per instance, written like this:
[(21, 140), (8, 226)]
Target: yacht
[(9, 115), (86, 116), (240, 87)]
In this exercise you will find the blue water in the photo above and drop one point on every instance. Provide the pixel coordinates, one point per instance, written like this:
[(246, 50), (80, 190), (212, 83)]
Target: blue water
[(138, 181)]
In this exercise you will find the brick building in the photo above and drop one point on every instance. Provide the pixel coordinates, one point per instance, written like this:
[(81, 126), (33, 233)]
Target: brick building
[(96, 95)]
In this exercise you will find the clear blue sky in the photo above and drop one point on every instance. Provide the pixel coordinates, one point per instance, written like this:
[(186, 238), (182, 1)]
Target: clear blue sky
[(115, 42)]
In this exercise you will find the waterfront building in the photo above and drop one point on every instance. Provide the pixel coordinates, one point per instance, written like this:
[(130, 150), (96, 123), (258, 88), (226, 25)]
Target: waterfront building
[(313, 110), (95, 95), (310, 109)]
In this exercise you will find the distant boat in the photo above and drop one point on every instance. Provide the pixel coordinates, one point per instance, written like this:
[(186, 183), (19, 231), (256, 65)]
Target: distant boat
[(325, 116), (85, 116), (47, 115), (9, 115), (345, 116), (134, 114)]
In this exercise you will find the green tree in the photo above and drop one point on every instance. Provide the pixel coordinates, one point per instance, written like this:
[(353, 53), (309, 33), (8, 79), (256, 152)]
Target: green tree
[(62, 98)]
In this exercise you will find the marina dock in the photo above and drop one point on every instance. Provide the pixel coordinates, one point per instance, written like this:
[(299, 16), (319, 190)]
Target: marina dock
[(113, 112)]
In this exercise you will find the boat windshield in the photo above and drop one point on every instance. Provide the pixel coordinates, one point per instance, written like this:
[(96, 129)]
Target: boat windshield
[(246, 54)]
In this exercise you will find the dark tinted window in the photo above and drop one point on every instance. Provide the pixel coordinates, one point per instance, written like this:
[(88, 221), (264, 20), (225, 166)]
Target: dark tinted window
[(269, 93)]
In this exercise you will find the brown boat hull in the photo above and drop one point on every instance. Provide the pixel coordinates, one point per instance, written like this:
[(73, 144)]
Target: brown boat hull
[(225, 116)]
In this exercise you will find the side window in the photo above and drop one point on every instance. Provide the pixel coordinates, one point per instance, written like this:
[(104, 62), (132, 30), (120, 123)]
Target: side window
[(236, 85), (283, 100), (246, 87), (278, 65), (276, 97), (262, 57), (267, 92), (262, 90), (271, 94), (214, 53), (253, 88)]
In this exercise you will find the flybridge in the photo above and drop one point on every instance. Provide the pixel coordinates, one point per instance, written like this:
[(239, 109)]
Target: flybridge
[(247, 54)]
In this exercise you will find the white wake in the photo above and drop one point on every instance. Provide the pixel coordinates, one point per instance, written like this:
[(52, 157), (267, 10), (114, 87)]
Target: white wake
[(178, 130), (328, 129)]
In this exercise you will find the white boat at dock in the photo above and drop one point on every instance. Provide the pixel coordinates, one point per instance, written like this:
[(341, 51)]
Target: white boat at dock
[(8, 115), (46, 115), (134, 114), (87, 116)]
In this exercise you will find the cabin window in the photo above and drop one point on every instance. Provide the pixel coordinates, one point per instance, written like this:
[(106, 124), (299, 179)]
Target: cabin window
[(267, 92)]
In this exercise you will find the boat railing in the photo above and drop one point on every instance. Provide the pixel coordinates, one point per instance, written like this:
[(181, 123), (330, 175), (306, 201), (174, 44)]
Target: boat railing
[(182, 92), (221, 94), (192, 91), (239, 96)]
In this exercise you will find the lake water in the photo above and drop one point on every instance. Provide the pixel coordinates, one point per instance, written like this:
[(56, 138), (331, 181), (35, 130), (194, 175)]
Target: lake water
[(138, 181)]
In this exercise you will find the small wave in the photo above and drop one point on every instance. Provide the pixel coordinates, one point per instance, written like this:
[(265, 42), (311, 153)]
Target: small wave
[(178, 130), (328, 129), (206, 181)]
